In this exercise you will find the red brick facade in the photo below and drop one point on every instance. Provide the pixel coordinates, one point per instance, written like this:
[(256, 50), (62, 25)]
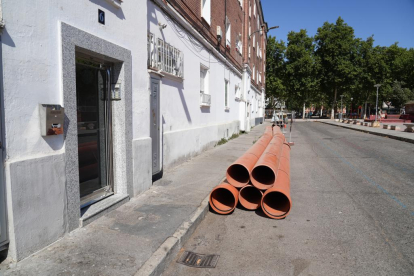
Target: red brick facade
[(237, 13)]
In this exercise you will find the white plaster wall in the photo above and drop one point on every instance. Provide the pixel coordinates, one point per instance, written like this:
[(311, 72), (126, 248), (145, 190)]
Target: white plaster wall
[(31, 60), (180, 99)]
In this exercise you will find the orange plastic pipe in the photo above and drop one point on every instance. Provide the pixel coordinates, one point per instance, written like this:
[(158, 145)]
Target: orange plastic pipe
[(276, 202), (224, 198), (263, 175), (250, 197), (238, 173)]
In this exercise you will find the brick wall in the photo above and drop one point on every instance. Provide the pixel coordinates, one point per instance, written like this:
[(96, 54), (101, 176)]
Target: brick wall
[(239, 19), (254, 61), (191, 11)]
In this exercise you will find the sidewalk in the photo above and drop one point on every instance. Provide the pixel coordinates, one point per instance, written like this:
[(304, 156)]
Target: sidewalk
[(144, 234), (394, 134)]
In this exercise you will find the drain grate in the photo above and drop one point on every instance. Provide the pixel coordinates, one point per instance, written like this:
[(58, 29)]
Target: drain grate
[(198, 260)]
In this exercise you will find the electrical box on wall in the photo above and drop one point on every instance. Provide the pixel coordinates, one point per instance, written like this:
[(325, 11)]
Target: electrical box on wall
[(52, 117)]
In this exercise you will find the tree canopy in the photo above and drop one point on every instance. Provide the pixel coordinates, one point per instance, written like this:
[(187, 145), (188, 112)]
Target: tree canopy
[(316, 70)]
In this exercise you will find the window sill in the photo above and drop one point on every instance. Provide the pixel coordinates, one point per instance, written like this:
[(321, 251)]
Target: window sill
[(115, 3), (205, 105), (226, 108), (205, 21)]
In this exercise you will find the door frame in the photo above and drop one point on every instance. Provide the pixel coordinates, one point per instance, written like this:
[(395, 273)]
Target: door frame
[(4, 238), (74, 40), (157, 174)]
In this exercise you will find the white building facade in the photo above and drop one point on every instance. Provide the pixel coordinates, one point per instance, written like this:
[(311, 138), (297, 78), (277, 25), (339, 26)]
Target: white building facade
[(91, 114)]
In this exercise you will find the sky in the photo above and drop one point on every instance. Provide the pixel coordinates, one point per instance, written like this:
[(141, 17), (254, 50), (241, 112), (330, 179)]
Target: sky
[(389, 21)]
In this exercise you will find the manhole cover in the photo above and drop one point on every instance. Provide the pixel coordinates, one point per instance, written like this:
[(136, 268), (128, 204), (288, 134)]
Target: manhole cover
[(198, 260)]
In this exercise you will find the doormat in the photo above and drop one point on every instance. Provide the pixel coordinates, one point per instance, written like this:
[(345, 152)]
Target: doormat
[(192, 259)]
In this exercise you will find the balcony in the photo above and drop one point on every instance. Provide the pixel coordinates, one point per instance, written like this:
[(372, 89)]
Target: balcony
[(205, 99)]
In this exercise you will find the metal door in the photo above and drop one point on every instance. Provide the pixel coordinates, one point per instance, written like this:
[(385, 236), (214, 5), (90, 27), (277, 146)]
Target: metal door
[(155, 125), (94, 111)]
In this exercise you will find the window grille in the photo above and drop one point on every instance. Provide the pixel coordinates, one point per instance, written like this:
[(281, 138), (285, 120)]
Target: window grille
[(163, 56)]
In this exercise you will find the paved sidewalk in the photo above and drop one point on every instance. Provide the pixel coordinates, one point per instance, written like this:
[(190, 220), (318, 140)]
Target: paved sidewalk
[(152, 226), (394, 134)]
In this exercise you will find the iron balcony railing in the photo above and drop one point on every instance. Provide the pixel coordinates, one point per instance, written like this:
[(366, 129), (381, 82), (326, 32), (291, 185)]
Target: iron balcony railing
[(162, 56), (205, 99)]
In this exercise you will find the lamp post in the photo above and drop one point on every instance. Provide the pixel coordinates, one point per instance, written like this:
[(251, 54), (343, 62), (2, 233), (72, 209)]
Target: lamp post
[(350, 113), (260, 30), (341, 106), (376, 103)]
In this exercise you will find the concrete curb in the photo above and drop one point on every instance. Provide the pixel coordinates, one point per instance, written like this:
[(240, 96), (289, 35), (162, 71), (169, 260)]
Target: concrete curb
[(157, 263), (408, 140)]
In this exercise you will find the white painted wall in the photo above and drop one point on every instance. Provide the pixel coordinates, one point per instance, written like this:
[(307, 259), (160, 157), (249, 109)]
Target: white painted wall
[(31, 63), (180, 99)]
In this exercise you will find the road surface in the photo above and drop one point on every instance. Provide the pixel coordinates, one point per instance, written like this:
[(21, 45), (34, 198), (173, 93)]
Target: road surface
[(353, 213)]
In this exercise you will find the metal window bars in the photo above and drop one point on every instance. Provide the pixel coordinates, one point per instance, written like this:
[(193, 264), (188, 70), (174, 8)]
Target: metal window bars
[(163, 56)]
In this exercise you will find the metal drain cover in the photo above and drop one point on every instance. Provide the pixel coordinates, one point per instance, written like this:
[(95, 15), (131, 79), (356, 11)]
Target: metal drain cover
[(198, 260)]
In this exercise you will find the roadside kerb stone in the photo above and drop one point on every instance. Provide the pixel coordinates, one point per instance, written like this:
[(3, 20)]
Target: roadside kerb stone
[(402, 136), (156, 264)]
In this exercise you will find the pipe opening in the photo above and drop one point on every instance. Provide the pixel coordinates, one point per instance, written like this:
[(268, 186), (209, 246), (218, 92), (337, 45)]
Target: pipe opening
[(238, 173), (250, 197), (264, 175), (276, 204), (223, 199)]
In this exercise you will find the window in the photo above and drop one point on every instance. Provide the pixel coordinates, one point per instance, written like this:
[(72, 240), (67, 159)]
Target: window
[(254, 10), (249, 50), (163, 56), (228, 32), (254, 40), (226, 89), (254, 71), (258, 25), (204, 79), (250, 29), (241, 3), (257, 49), (250, 9), (239, 44), (206, 10)]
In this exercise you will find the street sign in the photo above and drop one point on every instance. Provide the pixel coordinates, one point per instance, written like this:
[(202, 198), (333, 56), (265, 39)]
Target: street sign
[(101, 17)]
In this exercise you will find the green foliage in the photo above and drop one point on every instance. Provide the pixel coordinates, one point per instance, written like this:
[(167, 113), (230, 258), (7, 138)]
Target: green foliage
[(222, 141), (316, 70)]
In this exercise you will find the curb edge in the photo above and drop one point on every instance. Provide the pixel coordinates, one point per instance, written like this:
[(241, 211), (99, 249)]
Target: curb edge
[(156, 264), (374, 133)]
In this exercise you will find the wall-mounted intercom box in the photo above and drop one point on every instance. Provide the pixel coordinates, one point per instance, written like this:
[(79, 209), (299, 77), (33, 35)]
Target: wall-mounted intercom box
[(52, 117)]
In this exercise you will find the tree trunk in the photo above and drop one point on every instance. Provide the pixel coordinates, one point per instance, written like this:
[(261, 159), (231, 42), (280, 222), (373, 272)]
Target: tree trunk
[(303, 113), (333, 105)]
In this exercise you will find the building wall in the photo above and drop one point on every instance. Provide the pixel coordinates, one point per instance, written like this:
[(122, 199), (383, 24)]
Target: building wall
[(191, 11), (183, 118), (33, 74)]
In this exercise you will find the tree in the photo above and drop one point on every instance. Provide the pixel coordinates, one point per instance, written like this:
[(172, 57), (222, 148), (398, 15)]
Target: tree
[(335, 45), (275, 71), (301, 68)]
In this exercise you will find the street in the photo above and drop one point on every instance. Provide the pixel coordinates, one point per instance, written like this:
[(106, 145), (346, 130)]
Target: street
[(352, 214)]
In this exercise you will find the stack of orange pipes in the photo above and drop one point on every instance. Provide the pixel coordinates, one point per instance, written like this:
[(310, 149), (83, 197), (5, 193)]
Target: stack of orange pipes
[(259, 178)]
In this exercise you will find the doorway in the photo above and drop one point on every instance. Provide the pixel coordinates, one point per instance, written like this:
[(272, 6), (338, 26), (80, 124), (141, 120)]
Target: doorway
[(155, 126), (94, 123)]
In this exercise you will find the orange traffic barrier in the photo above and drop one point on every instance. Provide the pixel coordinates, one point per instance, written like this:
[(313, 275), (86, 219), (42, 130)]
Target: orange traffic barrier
[(224, 198), (263, 175), (238, 173), (276, 202), (250, 197)]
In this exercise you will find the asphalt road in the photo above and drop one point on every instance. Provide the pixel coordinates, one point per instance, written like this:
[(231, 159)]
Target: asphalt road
[(352, 214)]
